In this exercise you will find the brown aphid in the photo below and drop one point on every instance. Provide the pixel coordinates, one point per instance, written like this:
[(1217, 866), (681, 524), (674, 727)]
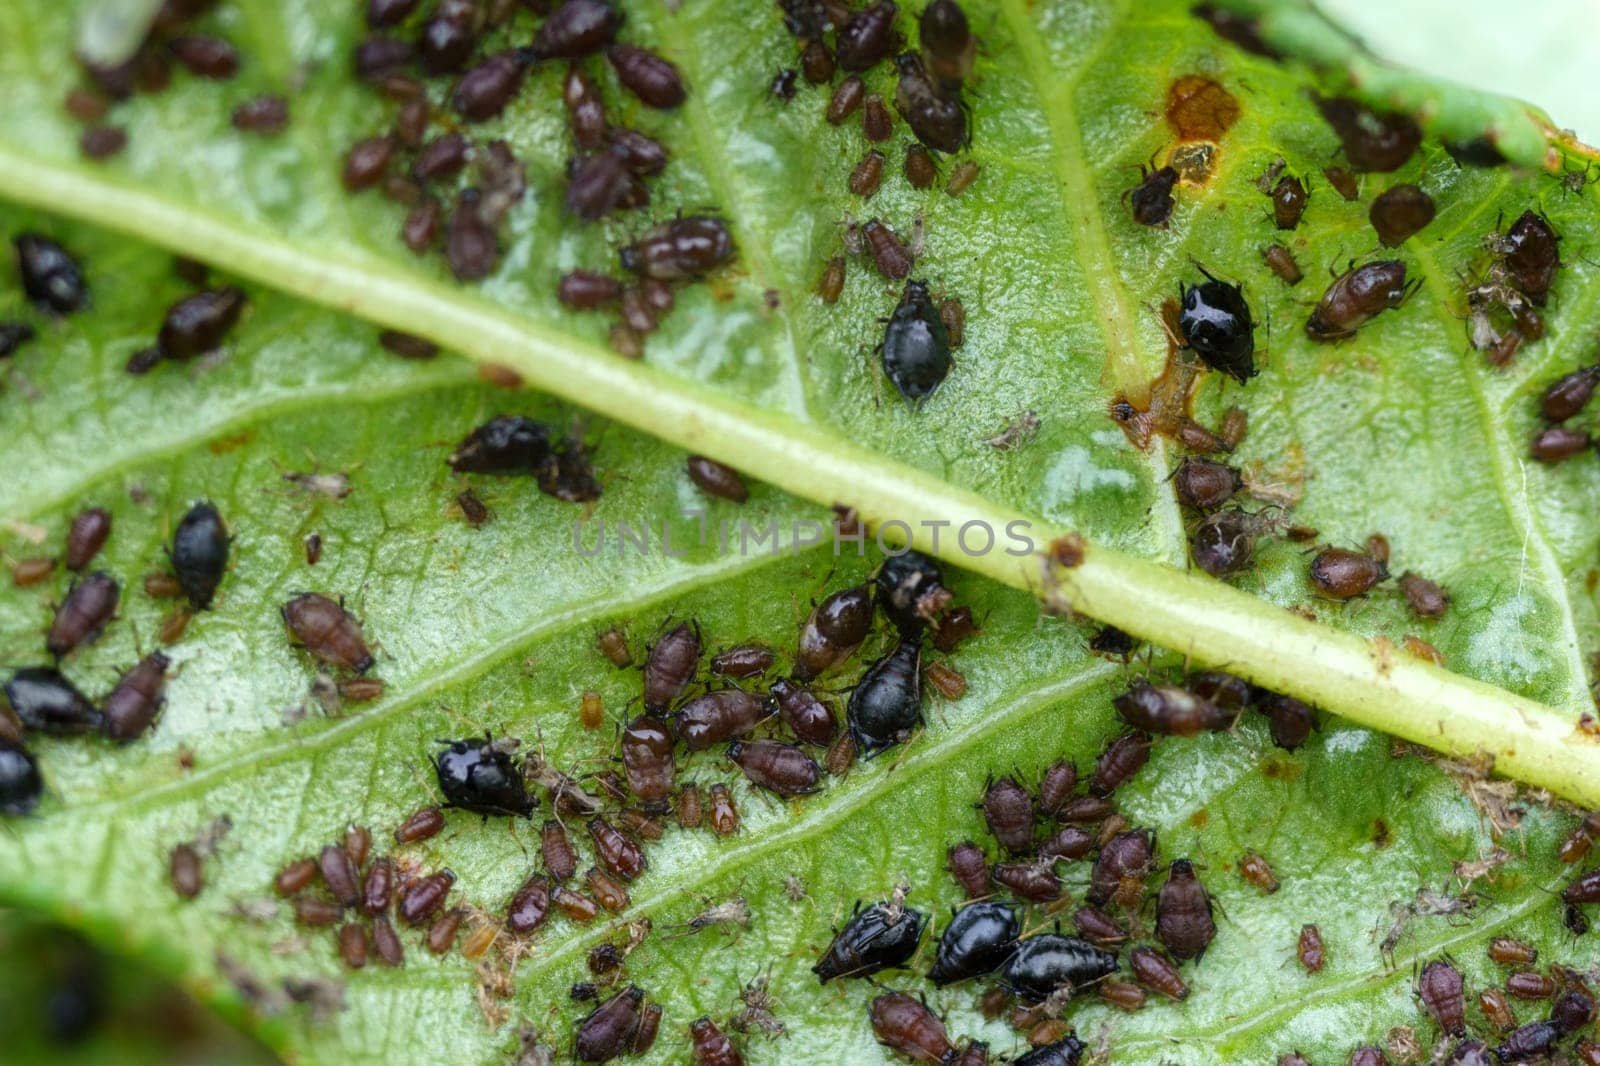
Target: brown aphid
[(876, 124), (1400, 213), (1008, 812), (471, 247), (87, 536), (357, 842), (575, 905), (1085, 810), (313, 548), (316, 911), (613, 644), (905, 1024), (1170, 711), (340, 874), (1124, 995), (1355, 297), (1288, 202), (607, 890), (811, 720), (948, 683), (1529, 253), (1510, 952), (585, 290), (816, 63), (184, 868), (921, 171), (1057, 785), (1127, 855), (833, 630), (715, 479), (1368, 1055), (1309, 948), (205, 57), (867, 36), (1496, 1011), (777, 767), (954, 316), (1379, 548), (743, 661), (1569, 394), (889, 253), (575, 29), (970, 868), (484, 91), (831, 284), (327, 631), (1034, 881), (1070, 842), (1556, 443), (1575, 846), (586, 112), (649, 1026), (1151, 199), (420, 231), (386, 942), (709, 1046), (529, 906), (1427, 599), (25, 573), (421, 825), (88, 606), (556, 848), (261, 114), (846, 98), (132, 706), (366, 162), (655, 81), (353, 945), (1529, 984), (1289, 720), (1156, 972), (961, 178), (647, 760), (640, 824), (422, 898), (689, 810), (377, 891), (719, 716), (1254, 868), (441, 936), (1099, 928), (294, 877), (670, 666), (1281, 262), (1372, 140), (723, 814), (868, 173), (618, 852), (1342, 574), (1343, 182), (609, 1030), (1121, 759), (1183, 913), (1441, 990), (1293, 1058)]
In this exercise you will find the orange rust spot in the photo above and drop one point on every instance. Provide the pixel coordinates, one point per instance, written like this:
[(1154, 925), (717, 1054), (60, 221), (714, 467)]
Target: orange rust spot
[(223, 445), (1198, 109)]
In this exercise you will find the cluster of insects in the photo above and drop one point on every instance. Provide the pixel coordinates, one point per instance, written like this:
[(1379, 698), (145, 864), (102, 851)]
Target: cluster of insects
[(42, 700), (518, 446), (170, 40), (1443, 993), (1504, 307)]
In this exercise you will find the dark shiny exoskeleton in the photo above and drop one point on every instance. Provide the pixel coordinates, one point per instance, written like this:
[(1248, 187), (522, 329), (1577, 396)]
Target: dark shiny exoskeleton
[(916, 345), (20, 783), (1440, 988), (1355, 297), (1288, 720), (1536, 1040), (508, 444), (1121, 759), (1008, 811), (1041, 964), (1068, 1051), (811, 720), (1341, 574), (609, 1030), (647, 761), (86, 537), (1155, 971), (1216, 323), (575, 29), (778, 767), (911, 591), (1288, 202), (868, 36), (1224, 542), (133, 705), (1151, 199), (879, 938), (199, 323), (905, 1024), (50, 275), (979, 938), (886, 704), (1206, 484), (619, 852), (710, 1046), (328, 631), (670, 666), (1399, 213), (654, 80), (1170, 710), (1531, 256), (475, 775), (719, 716), (938, 120), (1372, 140), (199, 553), (687, 247), (1126, 855), (84, 613), (1183, 913), (947, 43), (46, 702)]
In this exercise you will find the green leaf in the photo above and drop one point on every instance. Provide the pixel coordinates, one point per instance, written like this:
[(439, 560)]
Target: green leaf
[(1402, 430)]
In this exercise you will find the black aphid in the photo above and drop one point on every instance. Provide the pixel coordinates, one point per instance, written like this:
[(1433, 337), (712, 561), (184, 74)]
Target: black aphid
[(886, 704), (916, 345), (199, 553), (1049, 961), (979, 938), (1216, 323), (476, 775), (881, 937)]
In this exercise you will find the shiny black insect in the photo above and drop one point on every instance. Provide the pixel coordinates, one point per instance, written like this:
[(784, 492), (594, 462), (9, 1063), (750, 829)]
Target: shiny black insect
[(978, 940), (509, 444), (868, 36), (911, 591), (199, 553), (1068, 1051), (50, 275), (199, 323), (477, 775), (1215, 321), (575, 29), (46, 702), (1044, 963), (886, 704), (916, 345), (881, 937), (948, 46), (1530, 254), (20, 783), (938, 120), (1151, 199), (1355, 297)]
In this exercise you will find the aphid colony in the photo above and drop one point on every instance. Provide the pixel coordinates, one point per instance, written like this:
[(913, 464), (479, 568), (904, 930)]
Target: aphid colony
[(1442, 992), (41, 700)]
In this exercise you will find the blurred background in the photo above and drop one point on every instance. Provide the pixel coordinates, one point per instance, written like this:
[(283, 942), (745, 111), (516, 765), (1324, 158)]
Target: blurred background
[(64, 1003)]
